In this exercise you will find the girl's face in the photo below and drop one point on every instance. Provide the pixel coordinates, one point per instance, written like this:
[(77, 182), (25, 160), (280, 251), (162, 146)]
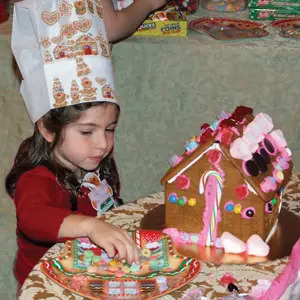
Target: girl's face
[(88, 140)]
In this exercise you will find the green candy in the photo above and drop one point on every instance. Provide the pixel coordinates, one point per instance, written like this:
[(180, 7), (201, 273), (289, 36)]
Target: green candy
[(88, 256), (274, 201), (180, 201), (96, 258)]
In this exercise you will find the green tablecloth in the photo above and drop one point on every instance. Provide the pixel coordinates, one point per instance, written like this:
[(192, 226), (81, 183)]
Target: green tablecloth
[(169, 86)]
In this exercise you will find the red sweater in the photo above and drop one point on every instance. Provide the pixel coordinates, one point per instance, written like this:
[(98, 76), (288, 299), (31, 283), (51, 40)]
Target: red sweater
[(41, 206)]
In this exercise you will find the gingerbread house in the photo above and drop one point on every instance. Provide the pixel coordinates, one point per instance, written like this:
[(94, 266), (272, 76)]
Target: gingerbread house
[(86, 45), (229, 179)]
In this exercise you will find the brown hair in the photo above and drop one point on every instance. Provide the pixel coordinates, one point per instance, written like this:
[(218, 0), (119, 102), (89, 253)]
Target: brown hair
[(35, 151)]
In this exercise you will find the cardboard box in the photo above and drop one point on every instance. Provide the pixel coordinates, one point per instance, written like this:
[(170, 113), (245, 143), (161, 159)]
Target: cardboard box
[(266, 4), (273, 14), (164, 24)]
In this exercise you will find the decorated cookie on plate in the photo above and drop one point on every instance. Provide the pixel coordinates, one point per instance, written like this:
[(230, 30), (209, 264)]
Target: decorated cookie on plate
[(87, 270)]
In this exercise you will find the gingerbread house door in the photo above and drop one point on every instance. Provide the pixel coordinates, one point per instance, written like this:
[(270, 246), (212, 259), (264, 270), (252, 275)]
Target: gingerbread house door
[(211, 186)]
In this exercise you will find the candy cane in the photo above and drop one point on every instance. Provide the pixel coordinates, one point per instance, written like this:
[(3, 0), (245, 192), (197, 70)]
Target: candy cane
[(138, 238), (213, 220)]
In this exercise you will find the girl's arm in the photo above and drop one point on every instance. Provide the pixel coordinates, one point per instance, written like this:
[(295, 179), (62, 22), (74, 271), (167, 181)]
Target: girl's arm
[(121, 24), (103, 234)]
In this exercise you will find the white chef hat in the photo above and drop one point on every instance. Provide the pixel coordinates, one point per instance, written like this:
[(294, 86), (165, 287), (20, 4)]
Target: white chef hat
[(63, 54)]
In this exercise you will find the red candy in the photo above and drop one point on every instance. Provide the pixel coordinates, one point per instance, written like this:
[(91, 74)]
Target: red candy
[(182, 182)]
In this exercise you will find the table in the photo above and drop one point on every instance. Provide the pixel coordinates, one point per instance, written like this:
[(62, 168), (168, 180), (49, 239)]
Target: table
[(129, 216)]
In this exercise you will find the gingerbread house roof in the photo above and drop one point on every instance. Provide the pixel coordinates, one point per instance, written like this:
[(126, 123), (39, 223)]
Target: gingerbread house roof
[(228, 134)]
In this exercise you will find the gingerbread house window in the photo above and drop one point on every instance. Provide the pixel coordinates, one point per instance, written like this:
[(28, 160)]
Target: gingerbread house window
[(87, 50), (59, 52), (86, 45)]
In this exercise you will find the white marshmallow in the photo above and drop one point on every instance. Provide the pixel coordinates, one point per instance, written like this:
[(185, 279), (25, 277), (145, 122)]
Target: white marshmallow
[(232, 244), (256, 246)]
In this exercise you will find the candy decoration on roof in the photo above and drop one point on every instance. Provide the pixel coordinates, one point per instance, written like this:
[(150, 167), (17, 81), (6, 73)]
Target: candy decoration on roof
[(174, 160), (191, 145)]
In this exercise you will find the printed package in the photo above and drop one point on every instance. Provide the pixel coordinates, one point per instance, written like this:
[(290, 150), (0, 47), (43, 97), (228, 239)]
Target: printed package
[(172, 23), (273, 14), (283, 4)]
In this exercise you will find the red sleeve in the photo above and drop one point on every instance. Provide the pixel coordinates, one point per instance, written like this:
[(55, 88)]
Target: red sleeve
[(41, 205)]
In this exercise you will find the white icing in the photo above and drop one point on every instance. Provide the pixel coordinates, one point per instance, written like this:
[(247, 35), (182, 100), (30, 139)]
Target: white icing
[(273, 229), (250, 188), (214, 146)]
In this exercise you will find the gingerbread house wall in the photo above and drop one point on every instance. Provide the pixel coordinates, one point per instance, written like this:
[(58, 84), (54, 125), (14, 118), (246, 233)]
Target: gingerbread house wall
[(232, 221), (189, 218)]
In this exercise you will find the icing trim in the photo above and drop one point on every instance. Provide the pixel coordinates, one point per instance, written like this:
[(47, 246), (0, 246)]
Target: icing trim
[(213, 146), (273, 229), (250, 188)]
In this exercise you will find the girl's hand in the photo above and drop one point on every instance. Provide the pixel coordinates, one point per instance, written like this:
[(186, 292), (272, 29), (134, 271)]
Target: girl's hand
[(121, 24), (112, 239)]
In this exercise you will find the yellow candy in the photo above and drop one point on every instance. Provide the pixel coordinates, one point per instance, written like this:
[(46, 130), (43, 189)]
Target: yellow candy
[(192, 202), (280, 175), (146, 252), (237, 208), (112, 263)]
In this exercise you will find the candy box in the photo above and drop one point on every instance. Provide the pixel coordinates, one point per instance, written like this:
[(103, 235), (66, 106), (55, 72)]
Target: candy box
[(189, 6), (162, 23), (274, 4), (273, 14)]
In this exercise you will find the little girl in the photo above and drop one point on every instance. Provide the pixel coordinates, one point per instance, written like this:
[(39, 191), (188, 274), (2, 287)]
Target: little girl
[(65, 174)]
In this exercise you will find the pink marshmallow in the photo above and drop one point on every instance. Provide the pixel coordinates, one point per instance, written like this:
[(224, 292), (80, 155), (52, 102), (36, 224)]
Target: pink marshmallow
[(285, 153), (278, 137), (173, 233), (255, 130), (248, 137), (268, 185), (264, 121), (240, 149), (252, 146), (282, 162)]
